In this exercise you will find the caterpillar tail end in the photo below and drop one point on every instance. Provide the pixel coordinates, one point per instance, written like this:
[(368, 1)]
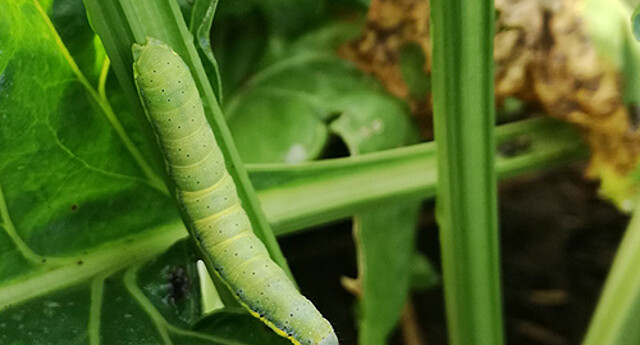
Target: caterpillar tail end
[(331, 339)]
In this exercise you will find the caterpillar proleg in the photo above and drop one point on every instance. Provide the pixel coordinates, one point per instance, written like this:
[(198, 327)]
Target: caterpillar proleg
[(209, 201)]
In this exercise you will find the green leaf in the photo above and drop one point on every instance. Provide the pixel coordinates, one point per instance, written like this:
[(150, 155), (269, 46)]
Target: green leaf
[(59, 191), (373, 121), (289, 130), (145, 303), (286, 104), (385, 240), (250, 35)]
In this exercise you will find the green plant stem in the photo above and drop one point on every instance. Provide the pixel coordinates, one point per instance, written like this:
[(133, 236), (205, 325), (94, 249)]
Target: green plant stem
[(466, 206), (615, 321), (296, 197)]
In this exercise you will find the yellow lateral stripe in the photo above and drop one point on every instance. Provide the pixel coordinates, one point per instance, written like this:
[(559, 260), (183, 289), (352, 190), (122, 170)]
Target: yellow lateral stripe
[(199, 193), (186, 166), (236, 268), (220, 246), (199, 223)]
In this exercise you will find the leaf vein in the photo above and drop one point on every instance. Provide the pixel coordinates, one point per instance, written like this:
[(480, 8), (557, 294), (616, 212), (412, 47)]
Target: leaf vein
[(104, 106)]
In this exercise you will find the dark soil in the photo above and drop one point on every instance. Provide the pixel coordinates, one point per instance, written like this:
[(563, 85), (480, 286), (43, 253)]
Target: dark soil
[(558, 240)]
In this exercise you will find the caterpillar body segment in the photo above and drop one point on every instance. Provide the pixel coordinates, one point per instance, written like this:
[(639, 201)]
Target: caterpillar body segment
[(210, 203)]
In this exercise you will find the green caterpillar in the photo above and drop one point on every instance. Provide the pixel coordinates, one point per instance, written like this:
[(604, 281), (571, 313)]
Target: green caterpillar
[(210, 203)]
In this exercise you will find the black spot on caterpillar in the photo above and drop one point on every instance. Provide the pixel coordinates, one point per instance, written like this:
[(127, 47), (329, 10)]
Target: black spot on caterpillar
[(209, 200)]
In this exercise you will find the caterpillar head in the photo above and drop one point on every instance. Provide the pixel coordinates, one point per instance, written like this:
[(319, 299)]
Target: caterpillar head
[(167, 88), (153, 62)]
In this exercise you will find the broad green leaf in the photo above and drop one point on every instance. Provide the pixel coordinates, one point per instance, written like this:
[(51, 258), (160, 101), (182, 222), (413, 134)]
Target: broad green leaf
[(384, 235), (278, 128), (251, 35), (146, 303), (288, 102), (373, 121), (61, 196)]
